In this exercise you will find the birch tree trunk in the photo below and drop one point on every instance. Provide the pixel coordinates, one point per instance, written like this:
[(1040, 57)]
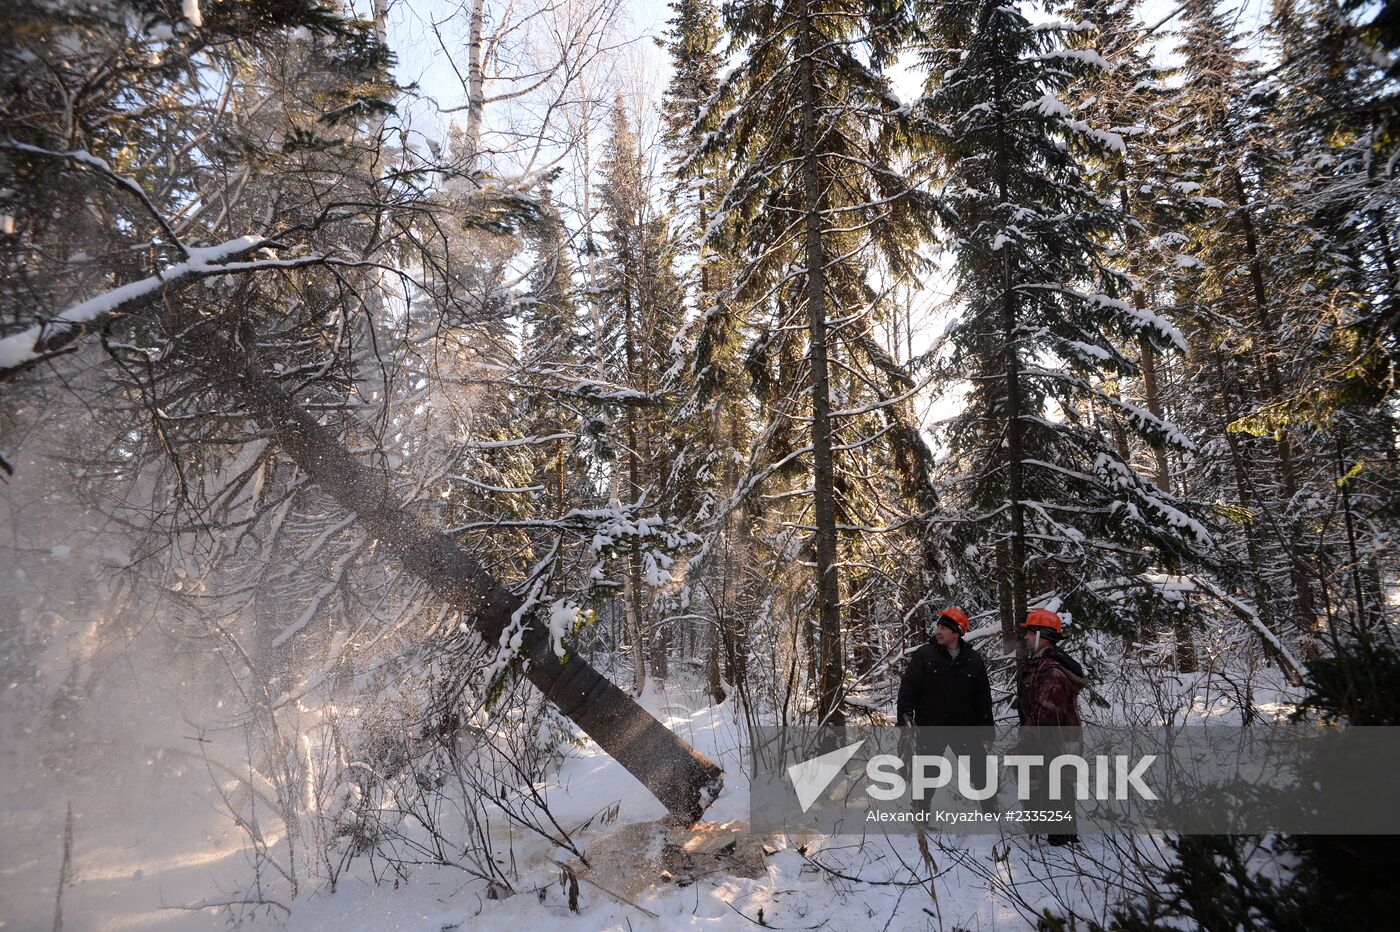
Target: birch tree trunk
[(476, 81)]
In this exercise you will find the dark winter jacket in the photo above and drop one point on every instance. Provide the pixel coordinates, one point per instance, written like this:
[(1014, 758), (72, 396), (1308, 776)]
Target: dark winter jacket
[(1047, 690), (939, 690)]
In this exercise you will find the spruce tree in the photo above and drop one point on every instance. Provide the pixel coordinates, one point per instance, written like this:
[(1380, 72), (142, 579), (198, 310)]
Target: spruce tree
[(640, 296), (1045, 316), (707, 375), (1131, 95), (816, 201)]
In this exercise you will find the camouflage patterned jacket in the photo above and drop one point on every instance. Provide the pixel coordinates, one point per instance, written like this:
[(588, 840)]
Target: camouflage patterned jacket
[(1047, 693)]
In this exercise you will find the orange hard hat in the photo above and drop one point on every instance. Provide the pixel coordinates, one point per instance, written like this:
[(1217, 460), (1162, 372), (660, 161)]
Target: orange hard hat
[(1043, 618), (955, 614)]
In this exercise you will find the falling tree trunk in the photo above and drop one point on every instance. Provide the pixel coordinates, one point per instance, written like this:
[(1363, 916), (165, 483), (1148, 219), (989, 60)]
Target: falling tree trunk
[(681, 778), (831, 669)]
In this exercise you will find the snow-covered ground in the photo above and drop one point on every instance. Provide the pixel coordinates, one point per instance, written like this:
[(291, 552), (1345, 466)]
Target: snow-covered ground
[(151, 839)]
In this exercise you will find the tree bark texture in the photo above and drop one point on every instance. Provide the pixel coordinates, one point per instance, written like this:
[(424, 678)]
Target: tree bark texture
[(831, 671), (1016, 570)]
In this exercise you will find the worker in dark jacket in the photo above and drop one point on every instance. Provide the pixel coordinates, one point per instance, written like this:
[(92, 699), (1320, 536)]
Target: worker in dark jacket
[(945, 682)]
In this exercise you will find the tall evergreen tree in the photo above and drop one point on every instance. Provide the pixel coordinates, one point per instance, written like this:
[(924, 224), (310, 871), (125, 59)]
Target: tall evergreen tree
[(641, 296), (1130, 94), (1043, 321), (709, 383), (817, 201), (552, 344)]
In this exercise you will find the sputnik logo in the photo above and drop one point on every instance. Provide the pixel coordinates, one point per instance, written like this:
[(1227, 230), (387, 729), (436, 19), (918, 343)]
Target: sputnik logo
[(811, 777)]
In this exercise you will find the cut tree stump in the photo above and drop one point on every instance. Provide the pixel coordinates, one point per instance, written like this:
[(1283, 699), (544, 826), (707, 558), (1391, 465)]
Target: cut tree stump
[(636, 858)]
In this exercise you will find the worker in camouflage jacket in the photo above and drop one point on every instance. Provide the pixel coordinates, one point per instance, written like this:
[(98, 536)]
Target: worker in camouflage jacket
[(1047, 690), (1047, 695)]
